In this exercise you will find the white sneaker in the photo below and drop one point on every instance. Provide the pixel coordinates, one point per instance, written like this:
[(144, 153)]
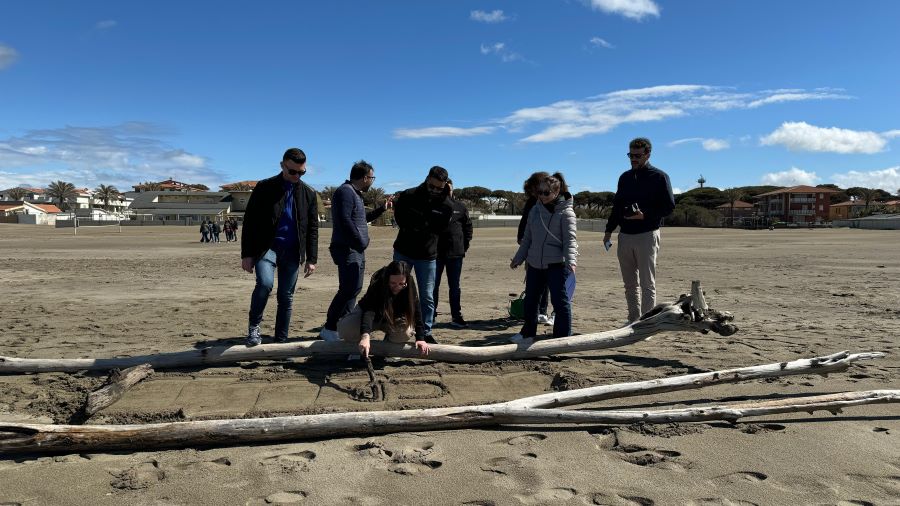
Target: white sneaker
[(551, 319), (542, 318), (329, 335), (520, 339)]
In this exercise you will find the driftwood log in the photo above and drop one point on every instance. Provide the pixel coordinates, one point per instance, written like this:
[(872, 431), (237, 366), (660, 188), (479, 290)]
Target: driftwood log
[(115, 387), (34, 438), (688, 313)]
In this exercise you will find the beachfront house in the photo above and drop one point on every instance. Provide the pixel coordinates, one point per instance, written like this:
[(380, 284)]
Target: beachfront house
[(187, 205), (797, 204), (742, 212), (28, 213)]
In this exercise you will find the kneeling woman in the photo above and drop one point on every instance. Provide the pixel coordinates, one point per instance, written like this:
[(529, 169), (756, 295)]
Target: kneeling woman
[(391, 305)]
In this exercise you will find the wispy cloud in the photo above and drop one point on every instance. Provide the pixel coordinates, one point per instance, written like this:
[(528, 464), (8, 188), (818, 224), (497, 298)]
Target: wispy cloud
[(796, 96), (891, 134), (500, 50), (572, 119), (8, 56), (708, 144), (424, 133), (631, 9), (792, 177), (801, 136), (495, 16), (106, 24), (121, 155), (886, 179), (598, 42)]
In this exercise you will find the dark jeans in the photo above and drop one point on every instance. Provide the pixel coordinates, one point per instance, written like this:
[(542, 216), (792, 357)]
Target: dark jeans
[(287, 265), (454, 271), (536, 281), (425, 270), (351, 265)]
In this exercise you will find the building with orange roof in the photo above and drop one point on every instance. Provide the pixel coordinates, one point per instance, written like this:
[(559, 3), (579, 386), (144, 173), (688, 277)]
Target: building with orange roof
[(797, 204)]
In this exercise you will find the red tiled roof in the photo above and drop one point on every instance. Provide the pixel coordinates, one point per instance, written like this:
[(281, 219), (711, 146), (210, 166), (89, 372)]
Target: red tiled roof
[(798, 189), (849, 203), (738, 204), (48, 208), (4, 206)]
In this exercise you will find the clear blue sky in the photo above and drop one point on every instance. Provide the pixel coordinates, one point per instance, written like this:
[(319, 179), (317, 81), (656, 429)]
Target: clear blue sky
[(742, 92)]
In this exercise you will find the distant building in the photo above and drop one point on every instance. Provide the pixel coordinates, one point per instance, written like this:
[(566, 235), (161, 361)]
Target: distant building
[(240, 194), (742, 211), (798, 204), (169, 185), (31, 195), (168, 205), (846, 210)]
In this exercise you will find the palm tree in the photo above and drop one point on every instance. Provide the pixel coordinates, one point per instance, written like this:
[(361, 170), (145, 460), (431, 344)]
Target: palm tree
[(733, 195), (105, 194), (62, 192), (17, 193)]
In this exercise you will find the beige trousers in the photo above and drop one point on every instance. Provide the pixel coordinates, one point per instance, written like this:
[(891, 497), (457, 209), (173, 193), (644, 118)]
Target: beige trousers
[(637, 260), (348, 329)]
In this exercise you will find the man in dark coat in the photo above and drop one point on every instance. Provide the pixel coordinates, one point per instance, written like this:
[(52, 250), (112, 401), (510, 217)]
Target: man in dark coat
[(281, 231), (452, 246)]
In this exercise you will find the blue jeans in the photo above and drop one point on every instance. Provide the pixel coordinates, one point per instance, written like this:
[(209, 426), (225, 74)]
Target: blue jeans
[(288, 265), (536, 281), (425, 271), (454, 271), (351, 265)]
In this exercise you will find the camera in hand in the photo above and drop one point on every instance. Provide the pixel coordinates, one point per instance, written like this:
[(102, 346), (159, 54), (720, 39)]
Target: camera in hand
[(631, 210)]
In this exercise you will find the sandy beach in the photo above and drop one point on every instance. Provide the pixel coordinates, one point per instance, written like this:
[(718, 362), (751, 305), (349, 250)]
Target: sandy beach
[(795, 293)]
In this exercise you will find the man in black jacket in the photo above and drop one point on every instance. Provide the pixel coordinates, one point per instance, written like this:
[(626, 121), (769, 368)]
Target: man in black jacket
[(422, 213), (281, 231), (349, 240), (643, 198), (452, 246)]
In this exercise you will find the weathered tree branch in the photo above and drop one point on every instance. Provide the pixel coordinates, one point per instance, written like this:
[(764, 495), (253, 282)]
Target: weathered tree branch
[(682, 315), (117, 384)]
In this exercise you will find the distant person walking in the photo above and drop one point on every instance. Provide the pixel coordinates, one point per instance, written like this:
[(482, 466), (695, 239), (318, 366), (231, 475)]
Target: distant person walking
[(530, 189), (349, 240), (226, 227), (216, 230), (204, 232), (422, 214), (390, 305), (550, 251), (643, 198), (281, 232), (452, 246)]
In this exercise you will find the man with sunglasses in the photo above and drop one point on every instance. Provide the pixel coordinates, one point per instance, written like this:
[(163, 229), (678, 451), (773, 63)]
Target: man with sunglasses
[(349, 240), (281, 231), (423, 214), (643, 198)]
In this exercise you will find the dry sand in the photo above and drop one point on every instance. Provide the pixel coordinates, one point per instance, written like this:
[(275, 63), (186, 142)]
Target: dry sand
[(795, 293)]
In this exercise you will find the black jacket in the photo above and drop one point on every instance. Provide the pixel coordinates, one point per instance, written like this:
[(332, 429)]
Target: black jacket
[(523, 222), (421, 220), (350, 217), (372, 305), (454, 241), (650, 189), (264, 209)]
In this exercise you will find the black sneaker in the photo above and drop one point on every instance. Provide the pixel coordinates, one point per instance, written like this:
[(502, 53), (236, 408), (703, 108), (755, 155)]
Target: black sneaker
[(281, 339), (459, 322), (430, 339)]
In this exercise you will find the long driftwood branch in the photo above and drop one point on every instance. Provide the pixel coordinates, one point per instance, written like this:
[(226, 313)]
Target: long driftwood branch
[(682, 315), (31, 438)]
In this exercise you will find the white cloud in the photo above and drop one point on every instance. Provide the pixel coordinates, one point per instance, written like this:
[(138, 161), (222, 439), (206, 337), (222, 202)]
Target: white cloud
[(571, 119), (501, 51), (121, 155), (676, 190), (106, 24), (598, 42), (495, 16), (424, 133), (886, 179), (8, 56), (801, 136), (792, 177), (795, 96), (631, 9), (891, 134), (715, 144)]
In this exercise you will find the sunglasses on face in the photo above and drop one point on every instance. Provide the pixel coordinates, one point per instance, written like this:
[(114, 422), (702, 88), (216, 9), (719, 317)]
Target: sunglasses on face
[(296, 172), (544, 193), (635, 156), (434, 189)]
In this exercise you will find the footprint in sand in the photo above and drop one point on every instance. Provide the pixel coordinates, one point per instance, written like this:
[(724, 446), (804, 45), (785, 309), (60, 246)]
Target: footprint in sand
[(288, 463), (506, 465), (479, 503), (854, 502), (754, 428), (646, 457), (548, 496), (138, 477), (740, 477), (719, 501), (205, 465), (405, 461), (525, 439), (619, 500), (284, 497)]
